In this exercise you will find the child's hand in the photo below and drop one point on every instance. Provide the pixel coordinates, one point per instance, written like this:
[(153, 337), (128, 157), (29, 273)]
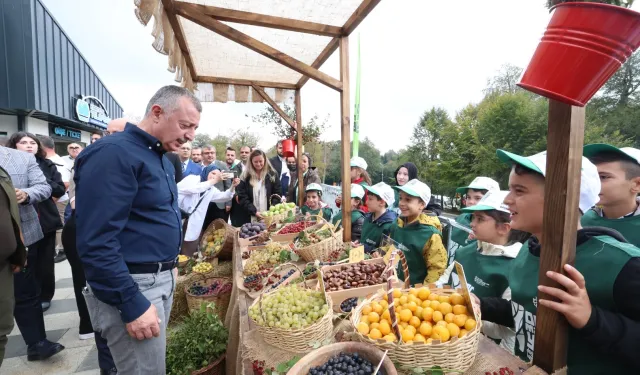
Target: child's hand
[(355, 243), (472, 236), (574, 301)]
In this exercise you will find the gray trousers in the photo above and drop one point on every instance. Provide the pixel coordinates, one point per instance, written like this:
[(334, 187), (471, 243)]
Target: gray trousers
[(132, 356)]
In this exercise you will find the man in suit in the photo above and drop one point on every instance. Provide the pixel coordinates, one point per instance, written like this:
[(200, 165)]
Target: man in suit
[(196, 155), (188, 166), (279, 163), (30, 187), (216, 210)]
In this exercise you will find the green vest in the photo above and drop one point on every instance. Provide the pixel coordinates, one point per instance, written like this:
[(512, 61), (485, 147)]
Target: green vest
[(355, 215), (600, 260), (326, 212), (372, 232), (458, 235), (412, 239), (487, 275), (629, 227)]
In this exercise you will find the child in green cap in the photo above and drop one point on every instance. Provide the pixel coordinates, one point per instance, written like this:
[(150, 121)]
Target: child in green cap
[(599, 296), (380, 217), (419, 235), (474, 192), (619, 205), (314, 205), (357, 213)]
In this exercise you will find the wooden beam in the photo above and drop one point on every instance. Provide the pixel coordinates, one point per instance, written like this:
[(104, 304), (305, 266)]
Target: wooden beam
[(170, 10), (189, 12), (245, 82), (275, 106), (256, 19), (360, 13), (301, 187), (345, 130), (321, 59), (561, 198)]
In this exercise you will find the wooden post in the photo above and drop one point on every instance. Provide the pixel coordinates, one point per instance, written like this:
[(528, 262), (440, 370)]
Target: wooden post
[(301, 187), (565, 139), (345, 146)]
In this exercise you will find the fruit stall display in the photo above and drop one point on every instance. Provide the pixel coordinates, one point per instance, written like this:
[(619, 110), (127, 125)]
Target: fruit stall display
[(291, 316), (261, 261), (215, 290), (212, 243), (321, 242), (249, 230), (279, 209), (344, 358), (289, 232)]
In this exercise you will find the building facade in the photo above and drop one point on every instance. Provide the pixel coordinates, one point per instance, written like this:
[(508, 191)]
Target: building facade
[(46, 85)]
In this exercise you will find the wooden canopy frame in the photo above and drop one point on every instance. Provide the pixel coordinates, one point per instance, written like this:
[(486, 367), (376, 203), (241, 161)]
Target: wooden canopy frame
[(565, 139), (211, 17)]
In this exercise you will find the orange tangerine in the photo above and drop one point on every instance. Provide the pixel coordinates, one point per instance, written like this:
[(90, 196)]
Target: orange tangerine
[(429, 340), (423, 293), (437, 316), (434, 305), (418, 312), (384, 328), (412, 329), (463, 333), (457, 299), (384, 304), (470, 324), (415, 321), (365, 319), (366, 310), (425, 329), (407, 336), (390, 337), (459, 309), (404, 325), (403, 300), (432, 297), (442, 323), (425, 303), (427, 314), (449, 318), (386, 315), (374, 325), (413, 292), (445, 308), (374, 317), (440, 333), (397, 293), (454, 330), (460, 320), (375, 334), (385, 297), (405, 315), (443, 299), (419, 337), (412, 306), (363, 328), (376, 307)]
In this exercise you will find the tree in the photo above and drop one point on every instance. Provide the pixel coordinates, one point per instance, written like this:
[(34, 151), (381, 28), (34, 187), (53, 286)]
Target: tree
[(368, 152), (505, 81), (622, 88), (280, 128), (201, 140)]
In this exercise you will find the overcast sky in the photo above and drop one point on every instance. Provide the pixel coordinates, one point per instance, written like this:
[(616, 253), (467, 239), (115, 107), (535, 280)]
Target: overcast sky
[(416, 54)]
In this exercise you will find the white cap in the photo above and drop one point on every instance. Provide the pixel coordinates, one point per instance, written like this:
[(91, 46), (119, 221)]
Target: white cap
[(493, 200), (314, 187), (628, 152), (417, 188), (357, 191), (480, 183), (589, 178), (359, 162), (384, 191)]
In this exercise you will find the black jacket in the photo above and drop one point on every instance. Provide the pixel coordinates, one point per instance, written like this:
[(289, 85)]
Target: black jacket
[(276, 163), (175, 160), (245, 193), (311, 177), (614, 333), (47, 210)]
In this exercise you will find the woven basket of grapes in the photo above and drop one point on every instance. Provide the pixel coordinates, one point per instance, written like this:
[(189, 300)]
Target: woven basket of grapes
[(212, 289), (321, 244), (428, 326), (293, 317)]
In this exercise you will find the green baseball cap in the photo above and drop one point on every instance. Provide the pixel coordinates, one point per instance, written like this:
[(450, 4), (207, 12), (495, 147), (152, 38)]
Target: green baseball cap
[(536, 163), (416, 188), (480, 183), (628, 152)]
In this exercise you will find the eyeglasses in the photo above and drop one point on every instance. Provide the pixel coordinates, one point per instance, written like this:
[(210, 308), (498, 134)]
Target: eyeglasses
[(74, 148)]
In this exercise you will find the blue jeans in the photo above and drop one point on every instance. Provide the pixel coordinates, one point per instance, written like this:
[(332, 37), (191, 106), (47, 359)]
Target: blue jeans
[(132, 356)]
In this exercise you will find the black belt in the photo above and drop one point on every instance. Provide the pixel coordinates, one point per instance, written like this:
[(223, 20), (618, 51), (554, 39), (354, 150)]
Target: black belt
[(138, 268)]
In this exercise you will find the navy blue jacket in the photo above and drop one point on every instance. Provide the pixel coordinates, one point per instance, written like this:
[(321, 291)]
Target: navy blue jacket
[(191, 169), (127, 213)]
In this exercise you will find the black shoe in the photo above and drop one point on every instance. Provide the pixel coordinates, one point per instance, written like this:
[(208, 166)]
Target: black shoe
[(60, 257), (45, 306), (43, 350), (113, 371)]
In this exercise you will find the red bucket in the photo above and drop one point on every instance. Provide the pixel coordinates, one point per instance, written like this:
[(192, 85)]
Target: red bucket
[(585, 43), (288, 148)]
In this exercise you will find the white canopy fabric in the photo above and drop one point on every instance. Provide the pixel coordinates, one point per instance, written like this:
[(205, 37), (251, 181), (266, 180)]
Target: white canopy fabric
[(214, 55)]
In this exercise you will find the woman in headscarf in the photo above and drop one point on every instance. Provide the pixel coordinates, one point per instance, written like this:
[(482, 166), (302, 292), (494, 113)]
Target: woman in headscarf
[(405, 173), (309, 173)]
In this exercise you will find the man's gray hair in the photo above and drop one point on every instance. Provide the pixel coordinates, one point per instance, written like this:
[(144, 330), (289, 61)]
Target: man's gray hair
[(208, 147), (168, 97), (47, 142)]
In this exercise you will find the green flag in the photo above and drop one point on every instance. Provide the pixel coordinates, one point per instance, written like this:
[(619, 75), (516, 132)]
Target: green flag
[(356, 111)]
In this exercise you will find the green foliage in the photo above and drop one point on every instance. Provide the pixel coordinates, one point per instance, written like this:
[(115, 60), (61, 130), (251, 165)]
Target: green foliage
[(280, 128), (368, 152), (221, 142), (620, 3), (198, 340)]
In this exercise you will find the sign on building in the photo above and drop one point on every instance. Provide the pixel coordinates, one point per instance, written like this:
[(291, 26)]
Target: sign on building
[(90, 109)]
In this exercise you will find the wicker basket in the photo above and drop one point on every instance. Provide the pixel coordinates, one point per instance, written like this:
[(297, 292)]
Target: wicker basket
[(215, 368), (276, 219), (221, 300), (323, 249), (320, 356), (458, 353), (226, 252), (296, 340)]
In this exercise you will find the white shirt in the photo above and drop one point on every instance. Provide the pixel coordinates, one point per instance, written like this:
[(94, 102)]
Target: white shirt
[(65, 172), (189, 190), (285, 167)]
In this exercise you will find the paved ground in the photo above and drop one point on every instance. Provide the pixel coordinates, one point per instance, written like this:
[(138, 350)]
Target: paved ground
[(61, 322)]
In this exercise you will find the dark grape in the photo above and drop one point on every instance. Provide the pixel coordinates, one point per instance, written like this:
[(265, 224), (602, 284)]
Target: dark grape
[(345, 363)]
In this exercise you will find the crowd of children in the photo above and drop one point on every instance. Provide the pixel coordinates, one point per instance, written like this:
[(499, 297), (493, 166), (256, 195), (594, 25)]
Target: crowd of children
[(497, 239)]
